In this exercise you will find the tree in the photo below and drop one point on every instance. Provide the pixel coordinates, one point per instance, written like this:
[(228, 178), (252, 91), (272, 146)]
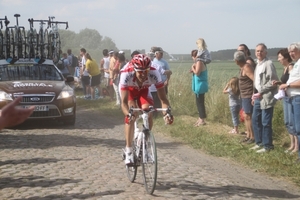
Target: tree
[(108, 43), (89, 39)]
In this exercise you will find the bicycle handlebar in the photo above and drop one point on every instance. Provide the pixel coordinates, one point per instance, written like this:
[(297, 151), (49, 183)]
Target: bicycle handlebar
[(57, 22), (36, 20), (6, 21), (151, 109)]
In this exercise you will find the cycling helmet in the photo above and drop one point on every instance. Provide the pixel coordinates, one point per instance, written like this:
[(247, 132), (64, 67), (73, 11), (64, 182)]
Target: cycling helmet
[(141, 62)]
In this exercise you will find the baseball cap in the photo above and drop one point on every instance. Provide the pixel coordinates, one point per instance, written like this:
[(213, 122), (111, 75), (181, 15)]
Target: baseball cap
[(111, 51), (121, 52)]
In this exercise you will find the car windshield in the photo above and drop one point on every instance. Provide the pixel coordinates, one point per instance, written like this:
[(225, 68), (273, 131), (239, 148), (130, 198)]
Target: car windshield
[(29, 72)]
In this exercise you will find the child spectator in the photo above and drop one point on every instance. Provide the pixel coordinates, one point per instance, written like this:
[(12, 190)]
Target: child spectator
[(232, 88), (203, 53)]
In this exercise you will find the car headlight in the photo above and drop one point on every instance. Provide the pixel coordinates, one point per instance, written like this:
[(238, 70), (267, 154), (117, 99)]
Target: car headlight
[(4, 96), (66, 92)]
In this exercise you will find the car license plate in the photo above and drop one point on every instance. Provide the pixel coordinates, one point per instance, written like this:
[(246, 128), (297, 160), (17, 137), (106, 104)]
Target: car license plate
[(39, 108)]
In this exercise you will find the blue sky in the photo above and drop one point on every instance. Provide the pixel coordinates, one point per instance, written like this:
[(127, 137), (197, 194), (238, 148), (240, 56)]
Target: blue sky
[(174, 25)]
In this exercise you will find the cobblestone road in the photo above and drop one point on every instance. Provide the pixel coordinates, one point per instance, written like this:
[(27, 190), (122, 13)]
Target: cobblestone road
[(57, 162)]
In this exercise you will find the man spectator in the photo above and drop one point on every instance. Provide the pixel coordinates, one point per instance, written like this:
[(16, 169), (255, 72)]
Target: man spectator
[(152, 88), (85, 76), (264, 101), (66, 69), (104, 68), (165, 66), (112, 62), (70, 58)]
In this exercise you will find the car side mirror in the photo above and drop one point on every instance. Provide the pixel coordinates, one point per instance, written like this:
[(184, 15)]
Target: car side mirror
[(69, 78)]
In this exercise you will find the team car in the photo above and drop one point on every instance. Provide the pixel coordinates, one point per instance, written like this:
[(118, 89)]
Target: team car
[(41, 84)]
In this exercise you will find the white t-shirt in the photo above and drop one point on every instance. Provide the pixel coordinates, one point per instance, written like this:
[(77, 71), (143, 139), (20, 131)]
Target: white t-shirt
[(85, 72), (106, 66), (294, 76), (159, 68), (259, 69)]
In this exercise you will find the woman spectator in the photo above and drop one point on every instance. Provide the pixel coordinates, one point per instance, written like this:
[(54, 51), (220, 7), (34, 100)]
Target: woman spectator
[(244, 48), (292, 87), (285, 60), (199, 86), (94, 71), (246, 91)]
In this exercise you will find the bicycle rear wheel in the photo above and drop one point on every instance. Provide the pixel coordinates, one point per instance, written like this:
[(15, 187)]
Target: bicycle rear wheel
[(7, 43), (46, 43), (149, 163), (1, 45), (51, 45), (12, 43), (132, 169)]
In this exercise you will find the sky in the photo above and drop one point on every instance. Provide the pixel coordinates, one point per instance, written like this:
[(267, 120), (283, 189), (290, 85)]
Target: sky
[(174, 25)]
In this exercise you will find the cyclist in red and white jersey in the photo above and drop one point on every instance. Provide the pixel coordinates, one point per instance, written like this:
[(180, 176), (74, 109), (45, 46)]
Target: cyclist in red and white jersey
[(135, 79)]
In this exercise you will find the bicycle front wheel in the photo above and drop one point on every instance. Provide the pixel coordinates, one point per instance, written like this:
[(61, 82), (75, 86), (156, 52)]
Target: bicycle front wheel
[(132, 169), (149, 163)]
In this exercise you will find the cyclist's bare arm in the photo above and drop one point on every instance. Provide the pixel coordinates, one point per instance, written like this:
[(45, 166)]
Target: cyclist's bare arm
[(124, 102)]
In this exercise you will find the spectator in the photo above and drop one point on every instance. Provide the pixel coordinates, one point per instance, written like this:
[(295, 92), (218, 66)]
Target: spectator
[(85, 76), (199, 86), (66, 69), (232, 89), (77, 76), (94, 71), (203, 54), (246, 91), (10, 115), (264, 100), (136, 52), (152, 88), (285, 60), (122, 61), (292, 87), (244, 48), (164, 64), (70, 58), (112, 61), (104, 68), (115, 70)]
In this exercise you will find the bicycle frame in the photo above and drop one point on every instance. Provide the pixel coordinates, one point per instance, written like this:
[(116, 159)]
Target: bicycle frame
[(144, 117), (54, 37)]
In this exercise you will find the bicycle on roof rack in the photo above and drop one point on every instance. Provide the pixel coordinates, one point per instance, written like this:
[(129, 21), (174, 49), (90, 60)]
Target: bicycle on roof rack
[(1, 40), (32, 38), (54, 38), (14, 40), (39, 45), (6, 38)]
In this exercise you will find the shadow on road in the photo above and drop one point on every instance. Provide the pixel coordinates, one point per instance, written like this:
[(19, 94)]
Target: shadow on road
[(40, 181), (34, 160), (75, 195), (8, 141), (224, 191), (33, 181)]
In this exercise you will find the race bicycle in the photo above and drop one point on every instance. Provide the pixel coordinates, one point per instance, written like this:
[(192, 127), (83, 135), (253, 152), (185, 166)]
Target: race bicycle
[(38, 42), (54, 38), (144, 149)]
